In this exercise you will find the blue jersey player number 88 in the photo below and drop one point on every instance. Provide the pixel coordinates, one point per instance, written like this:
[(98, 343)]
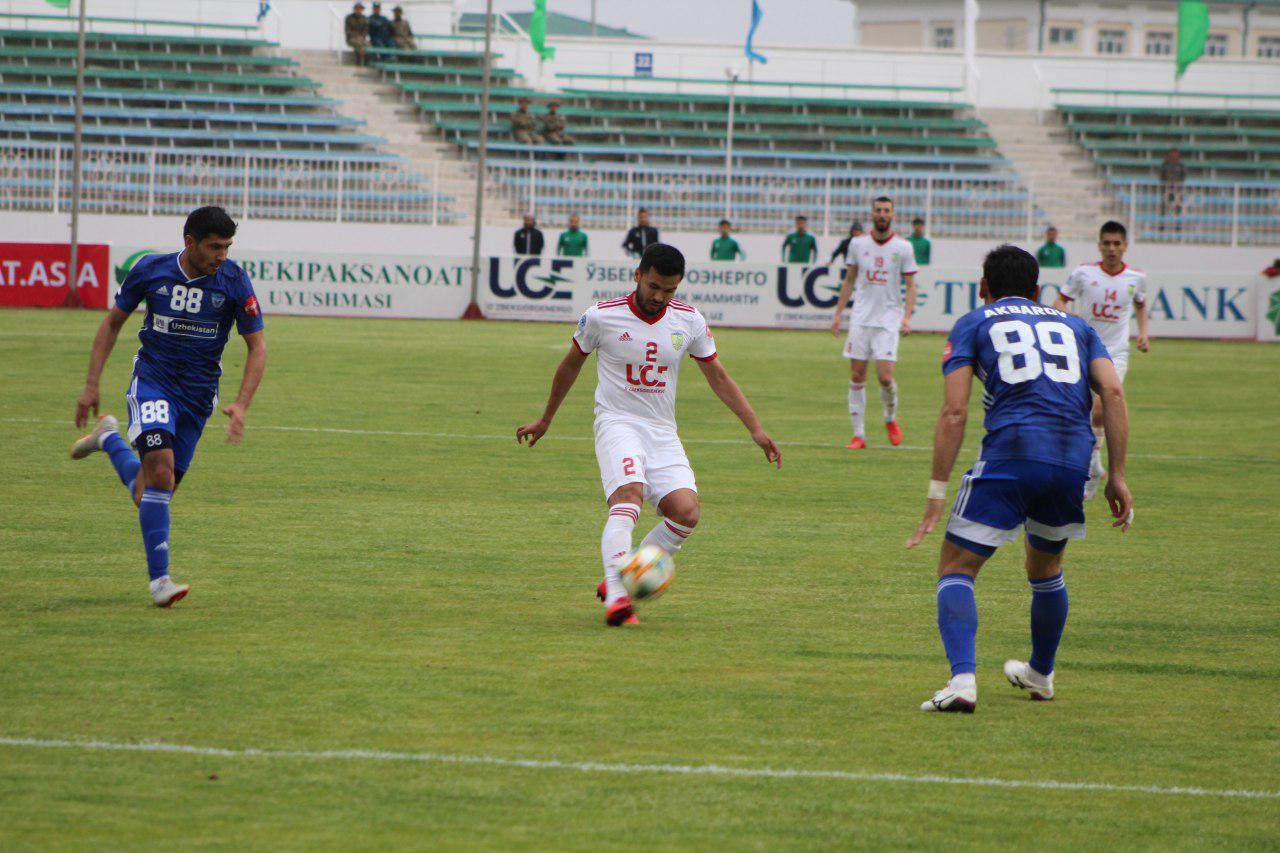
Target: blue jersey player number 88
[(193, 299), (1039, 368)]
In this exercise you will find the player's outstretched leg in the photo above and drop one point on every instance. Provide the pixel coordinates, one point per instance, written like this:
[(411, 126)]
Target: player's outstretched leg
[(680, 515), (958, 626), (1048, 618), (615, 544), (106, 437)]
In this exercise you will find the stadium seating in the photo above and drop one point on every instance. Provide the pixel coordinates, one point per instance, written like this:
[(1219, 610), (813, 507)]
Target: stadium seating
[(211, 100)]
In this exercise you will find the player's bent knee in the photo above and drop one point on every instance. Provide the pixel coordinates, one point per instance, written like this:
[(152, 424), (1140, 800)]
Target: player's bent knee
[(632, 493), (1046, 546)]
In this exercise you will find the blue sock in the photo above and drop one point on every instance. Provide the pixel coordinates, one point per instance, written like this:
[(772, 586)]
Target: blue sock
[(123, 459), (1048, 616), (153, 515), (958, 621)]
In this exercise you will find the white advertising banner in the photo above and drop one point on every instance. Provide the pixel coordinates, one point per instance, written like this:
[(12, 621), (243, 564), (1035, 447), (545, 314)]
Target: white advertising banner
[(752, 295)]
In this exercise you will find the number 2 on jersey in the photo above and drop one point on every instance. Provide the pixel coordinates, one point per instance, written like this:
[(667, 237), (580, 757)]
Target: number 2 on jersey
[(1013, 338)]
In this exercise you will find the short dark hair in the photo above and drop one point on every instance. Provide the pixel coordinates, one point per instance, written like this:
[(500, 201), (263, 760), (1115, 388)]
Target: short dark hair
[(642, 210), (856, 226), (1112, 227), (917, 221), (882, 198), (206, 221), (1010, 271), (801, 217), (725, 222), (662, 259)]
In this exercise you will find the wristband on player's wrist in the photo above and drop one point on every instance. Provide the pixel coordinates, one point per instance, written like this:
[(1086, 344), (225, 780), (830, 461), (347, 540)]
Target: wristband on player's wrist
[(937, 490)]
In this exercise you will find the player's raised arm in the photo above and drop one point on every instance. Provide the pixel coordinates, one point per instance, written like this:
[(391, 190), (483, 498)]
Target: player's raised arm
[(103, 342), (947, 438), (731, 395), (1115, 421), (566, 375), (842, 302)]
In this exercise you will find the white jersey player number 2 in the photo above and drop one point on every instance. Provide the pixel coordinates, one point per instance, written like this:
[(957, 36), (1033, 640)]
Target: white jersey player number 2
[(1013, 338)]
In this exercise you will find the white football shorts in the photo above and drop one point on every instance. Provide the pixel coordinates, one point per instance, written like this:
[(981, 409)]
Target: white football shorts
[(1121, 361), (871, 343), (631, 451)]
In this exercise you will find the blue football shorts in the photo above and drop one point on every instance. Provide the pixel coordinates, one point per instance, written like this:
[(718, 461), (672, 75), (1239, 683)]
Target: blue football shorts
[(998, 497), (152, 407)]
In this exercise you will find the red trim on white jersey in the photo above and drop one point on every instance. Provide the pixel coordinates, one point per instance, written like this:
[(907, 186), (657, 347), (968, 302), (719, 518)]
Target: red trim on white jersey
[(579, 346), (681, 306), (1123, 267), (612, 303), (880, 242), (711, 357), (644, 317)]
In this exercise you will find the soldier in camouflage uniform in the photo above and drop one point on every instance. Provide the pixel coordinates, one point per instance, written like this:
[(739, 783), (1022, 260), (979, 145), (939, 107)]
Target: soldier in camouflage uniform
[(357, 29), (523, 124), (553, 126), (401, 31)]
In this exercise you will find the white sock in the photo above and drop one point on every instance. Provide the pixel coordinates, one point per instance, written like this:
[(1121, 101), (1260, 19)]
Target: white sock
[(667, 535), (615, 543), (963, 680), (858, 407), (889, 396), (1095, 463)]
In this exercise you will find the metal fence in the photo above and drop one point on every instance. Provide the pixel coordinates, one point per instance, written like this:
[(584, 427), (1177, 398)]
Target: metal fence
[(993, 207), (1242, 214), (249, 185)]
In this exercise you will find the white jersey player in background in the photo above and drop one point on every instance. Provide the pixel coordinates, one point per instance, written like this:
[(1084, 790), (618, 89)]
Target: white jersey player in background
[(1106, 295), (640, 342), (879, 262)]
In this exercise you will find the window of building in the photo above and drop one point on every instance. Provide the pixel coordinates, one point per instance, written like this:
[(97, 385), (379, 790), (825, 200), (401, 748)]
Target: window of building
[(1062, 36), (944, 38), (1215, 45), (1111, 42), (1269, 47), (1159, 43)]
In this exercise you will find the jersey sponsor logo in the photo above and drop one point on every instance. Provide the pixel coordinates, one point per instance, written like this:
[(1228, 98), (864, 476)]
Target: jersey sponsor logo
[(677, 340), (217, 299), (1107, 313), (183, 328), (251, 306), (163, 291), (625, 337), (646, 376)]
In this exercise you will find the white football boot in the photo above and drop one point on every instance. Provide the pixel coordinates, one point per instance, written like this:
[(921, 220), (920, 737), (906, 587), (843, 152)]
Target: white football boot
[(92, 442), (166, 593), (1022, 675), (1096, 473), (953, 699)]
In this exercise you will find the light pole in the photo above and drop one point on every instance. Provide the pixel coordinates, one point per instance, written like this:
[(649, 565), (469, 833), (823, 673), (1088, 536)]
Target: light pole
[(73, 295), (473, 308), (732, 73)]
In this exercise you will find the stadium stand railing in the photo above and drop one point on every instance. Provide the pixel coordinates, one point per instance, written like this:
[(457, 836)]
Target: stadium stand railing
[(1230, 147)]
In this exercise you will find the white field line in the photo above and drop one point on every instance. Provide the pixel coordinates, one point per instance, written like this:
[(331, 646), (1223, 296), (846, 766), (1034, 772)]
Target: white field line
[(610, 767), (474, 436)]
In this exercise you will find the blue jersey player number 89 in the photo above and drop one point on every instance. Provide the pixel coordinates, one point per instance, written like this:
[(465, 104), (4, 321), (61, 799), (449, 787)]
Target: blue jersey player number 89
[(193, 298), (1039, 368)]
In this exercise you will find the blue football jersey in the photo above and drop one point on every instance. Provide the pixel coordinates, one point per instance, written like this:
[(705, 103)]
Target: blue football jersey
[(187, 323), (1033, 362)]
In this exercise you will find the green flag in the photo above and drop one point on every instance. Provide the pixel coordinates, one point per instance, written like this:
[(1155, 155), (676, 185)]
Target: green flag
[(61, 4), (538, 30), (1193, 30)]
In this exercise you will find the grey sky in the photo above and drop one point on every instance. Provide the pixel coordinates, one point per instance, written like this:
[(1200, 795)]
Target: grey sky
[(816, 22)]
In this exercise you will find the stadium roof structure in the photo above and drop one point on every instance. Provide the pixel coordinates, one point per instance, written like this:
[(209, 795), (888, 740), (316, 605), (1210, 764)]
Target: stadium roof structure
[(557, 25)]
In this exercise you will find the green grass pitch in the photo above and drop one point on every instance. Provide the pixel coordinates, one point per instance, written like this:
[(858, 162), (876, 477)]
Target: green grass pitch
[(379, 567)]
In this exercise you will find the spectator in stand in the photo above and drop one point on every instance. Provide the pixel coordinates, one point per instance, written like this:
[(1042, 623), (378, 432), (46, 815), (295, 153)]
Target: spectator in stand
[(380, 28), (641, 236), (920, 243), (842, 248), (553, 126), (522, 125), (573, 243), (528, 240), (401, 32), (724, 247), (1051, 255), (1173, 175), (799, 247), (356, 26)]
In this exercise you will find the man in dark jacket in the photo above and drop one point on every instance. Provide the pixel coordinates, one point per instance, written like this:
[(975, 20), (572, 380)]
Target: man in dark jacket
[(640, 237), (380, 28), (528, 240)]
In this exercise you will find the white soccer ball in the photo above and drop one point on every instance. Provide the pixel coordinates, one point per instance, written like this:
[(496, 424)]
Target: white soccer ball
[(647, 572)]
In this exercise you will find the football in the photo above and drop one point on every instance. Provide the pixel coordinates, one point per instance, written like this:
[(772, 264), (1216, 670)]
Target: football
[(648, 572)]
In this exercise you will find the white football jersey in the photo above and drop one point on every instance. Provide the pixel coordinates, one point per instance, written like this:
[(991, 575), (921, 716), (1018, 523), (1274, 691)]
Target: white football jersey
[(877, 293), (638, 358), (1106, 301)]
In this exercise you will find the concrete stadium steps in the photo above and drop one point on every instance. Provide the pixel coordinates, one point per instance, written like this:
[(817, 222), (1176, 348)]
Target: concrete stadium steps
[(1061, 176), (365, 96)]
